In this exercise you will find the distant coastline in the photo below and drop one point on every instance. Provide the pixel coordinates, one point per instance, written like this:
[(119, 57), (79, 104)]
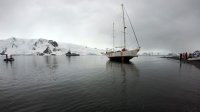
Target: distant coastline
[(27, 47)]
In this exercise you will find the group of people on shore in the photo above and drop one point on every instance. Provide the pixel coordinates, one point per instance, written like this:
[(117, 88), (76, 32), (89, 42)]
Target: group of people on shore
[(185, 56)]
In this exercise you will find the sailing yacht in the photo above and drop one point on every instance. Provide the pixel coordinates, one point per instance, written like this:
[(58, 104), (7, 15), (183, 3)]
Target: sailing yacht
[(123, 55)]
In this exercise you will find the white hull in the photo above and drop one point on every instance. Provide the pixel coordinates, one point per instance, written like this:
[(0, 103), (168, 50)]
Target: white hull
[(122, 55)]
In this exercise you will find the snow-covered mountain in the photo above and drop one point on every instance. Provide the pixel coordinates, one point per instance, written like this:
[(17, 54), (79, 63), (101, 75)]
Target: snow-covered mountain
[(16, 46)]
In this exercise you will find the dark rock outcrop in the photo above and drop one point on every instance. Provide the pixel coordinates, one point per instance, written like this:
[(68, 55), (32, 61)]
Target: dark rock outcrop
[(56, 49), (54, 43), (35, 44), (13, 39), (40, 41), (13, 45), (3, 52), (47, 51)]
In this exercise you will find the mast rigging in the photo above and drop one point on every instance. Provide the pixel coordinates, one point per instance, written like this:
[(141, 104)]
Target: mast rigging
[(132, 28)]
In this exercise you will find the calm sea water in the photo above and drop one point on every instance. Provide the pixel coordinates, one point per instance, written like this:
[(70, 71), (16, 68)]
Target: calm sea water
[(94, 84)]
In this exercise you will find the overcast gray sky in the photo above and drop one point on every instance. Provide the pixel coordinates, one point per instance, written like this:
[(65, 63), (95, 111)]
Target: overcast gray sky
[(161, 25)]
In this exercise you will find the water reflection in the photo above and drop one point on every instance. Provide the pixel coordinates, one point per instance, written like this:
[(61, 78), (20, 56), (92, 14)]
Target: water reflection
[(9, 63), (51, 62), (125, 75), (123, 68), (55, 62), (180, 66), (196, 64), (189, 64), (34, 61), (47, 60), (69, 59)]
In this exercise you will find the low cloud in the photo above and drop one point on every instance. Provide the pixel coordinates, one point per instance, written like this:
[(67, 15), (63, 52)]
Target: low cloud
[(170, 25)]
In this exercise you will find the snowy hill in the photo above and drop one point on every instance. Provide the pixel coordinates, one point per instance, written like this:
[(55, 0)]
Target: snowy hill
[(16, 46)]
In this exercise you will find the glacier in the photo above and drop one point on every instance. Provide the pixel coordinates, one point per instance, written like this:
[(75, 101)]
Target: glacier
[(18, 46)]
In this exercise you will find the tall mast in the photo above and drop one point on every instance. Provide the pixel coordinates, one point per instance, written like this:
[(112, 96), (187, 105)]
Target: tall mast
[(124, 26), (113, 36)]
